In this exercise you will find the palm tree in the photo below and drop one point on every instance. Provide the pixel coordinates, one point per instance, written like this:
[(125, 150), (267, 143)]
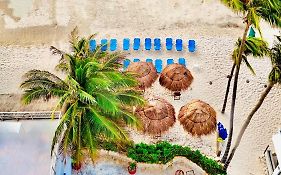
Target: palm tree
[(253, 11), (96, 99), (273, 78)]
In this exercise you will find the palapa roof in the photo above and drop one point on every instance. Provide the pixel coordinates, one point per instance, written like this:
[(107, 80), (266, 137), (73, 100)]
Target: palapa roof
[(198, 118), (157, 117), (145, 73), (176, 77)]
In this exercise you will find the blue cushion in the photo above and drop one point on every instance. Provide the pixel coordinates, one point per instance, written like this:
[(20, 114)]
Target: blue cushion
[(126, 44), (126, 63), (93, 45), (170, 61), (103, 44), (157, 44), (136, 44), (136, 60), (147, 43), (179, 44), (113, 44), (182, 61), (191, 45), (149, 60), (169, 43), (158, 65)]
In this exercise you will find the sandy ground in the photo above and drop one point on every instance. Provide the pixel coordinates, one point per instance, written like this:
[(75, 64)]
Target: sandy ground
[(28, 30)]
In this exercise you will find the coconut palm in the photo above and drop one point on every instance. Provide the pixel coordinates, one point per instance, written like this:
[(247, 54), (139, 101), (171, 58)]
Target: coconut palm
[(273, 78), (253, 11), (96, 99)]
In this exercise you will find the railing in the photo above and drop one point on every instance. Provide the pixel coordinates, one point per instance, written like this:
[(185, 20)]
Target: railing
[(29, 115)]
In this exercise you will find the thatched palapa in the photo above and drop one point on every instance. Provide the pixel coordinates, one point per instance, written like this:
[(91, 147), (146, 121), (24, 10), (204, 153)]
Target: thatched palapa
[(145, 73), (157, 117), (176, 77), (198, 118)]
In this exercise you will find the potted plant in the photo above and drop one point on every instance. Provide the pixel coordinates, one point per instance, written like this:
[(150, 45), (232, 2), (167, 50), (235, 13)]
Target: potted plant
[(132, 168)]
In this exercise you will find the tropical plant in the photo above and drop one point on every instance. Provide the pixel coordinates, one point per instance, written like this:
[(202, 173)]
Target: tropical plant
[(273, 78), (253, 11), (96, 99)]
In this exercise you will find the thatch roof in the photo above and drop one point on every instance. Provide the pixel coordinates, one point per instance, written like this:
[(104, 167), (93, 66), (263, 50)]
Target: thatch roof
[(176, 77), (157, 117), (145, 73), (198, 118)]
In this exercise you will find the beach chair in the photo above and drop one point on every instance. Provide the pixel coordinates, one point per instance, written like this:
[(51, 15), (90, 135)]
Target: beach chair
[(170, 61), (126, 63), (103, 44), (93, 45), (113, 44), (177, 95), (158, 65), (157, 44), (126, 44), (179, 44), (191, 45), (136, 60), (147, 43), (148, 60), (136, 45), (169, 43), (182, 61)]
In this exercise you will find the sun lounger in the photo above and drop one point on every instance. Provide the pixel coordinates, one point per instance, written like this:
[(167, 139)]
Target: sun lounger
[(158, 65), (136, 45), (136, 60), (103, 44), (179, 44), (170, 61), (148, 60), (182, 61), (126, 44), (93, 45), (191, 45), (126, 63), (147, 43), (169, 43), (113, 44), (157, 44)]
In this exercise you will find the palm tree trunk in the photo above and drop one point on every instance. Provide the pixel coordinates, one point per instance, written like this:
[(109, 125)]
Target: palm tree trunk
[(233, 101), (247, 122), (227, 88)]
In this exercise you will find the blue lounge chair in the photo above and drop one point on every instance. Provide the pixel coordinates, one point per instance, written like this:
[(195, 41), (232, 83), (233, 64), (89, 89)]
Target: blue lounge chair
[(158, 65), (170, 61), (182, 61), (147, 43), (136, 44), (157, 44), (169, 43), (103, 44), (136, 60), (126, 63), (113, 44), (191, 45), (93, 45), (179, 44), (149, 60), (126, 44)]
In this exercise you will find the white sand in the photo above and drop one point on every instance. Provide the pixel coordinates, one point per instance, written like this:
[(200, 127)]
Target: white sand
[(24, 45)]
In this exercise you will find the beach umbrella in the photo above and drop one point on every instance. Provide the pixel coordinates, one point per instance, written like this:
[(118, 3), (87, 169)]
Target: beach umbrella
[(198, 118), (157, 116), (145, 73), (176, 77)]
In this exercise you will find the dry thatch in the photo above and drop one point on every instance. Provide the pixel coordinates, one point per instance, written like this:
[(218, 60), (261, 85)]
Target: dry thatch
[(198, 118), (145, 73), (157, 117), (176, 77)]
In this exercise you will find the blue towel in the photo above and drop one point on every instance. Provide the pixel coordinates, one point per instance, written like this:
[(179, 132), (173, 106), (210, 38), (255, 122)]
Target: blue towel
[(136, 60), (126, 44), (169, 43), (93, 45), (157, 44), (147, 43), (158, 65), (103, 44), (179, 44), (113, 44), (182, 61), (170, 61), (191, 45), (148, 60), (126, 63), (136, 44)]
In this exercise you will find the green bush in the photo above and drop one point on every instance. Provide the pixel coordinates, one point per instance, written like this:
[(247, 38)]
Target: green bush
[(164, 152)]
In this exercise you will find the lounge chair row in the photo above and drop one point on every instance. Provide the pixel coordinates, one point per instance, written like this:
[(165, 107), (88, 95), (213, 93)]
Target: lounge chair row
[(158, 63), (147, 44)]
